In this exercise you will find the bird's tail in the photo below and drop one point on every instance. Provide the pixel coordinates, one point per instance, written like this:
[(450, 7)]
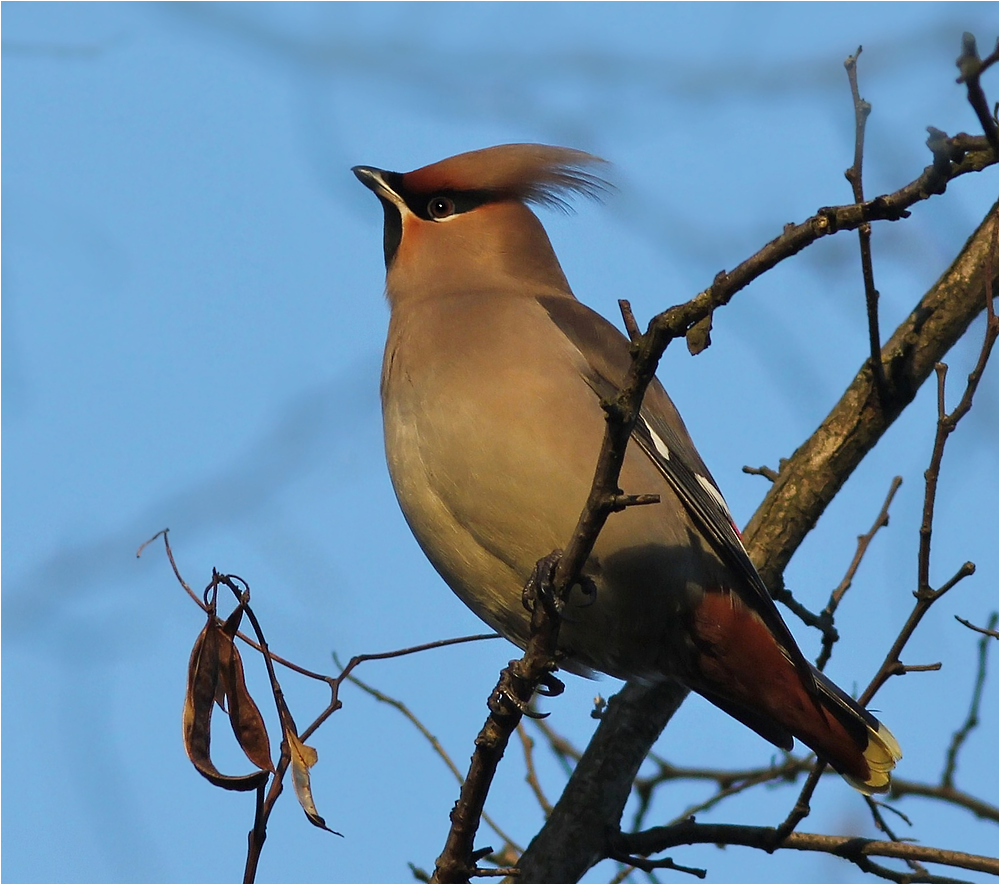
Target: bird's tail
[(744, 670), (868, 758)]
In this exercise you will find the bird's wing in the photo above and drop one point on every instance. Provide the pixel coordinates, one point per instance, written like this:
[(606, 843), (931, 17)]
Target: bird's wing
[(661, 434)]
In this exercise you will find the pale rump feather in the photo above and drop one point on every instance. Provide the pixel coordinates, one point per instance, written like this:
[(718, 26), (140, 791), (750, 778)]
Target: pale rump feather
[(532, 173)]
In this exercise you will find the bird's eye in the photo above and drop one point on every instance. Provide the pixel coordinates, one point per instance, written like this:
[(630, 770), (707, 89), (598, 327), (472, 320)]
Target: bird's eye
[(440, 207)]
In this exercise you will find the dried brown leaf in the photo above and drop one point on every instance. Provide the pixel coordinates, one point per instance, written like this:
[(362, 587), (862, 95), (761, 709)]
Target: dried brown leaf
[(244, 715), (230, 628), (232, 625), (203, 682), (303, 758), (699, 336)]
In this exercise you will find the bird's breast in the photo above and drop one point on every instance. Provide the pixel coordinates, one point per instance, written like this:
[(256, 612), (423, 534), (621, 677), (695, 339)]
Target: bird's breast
[(492, 435)]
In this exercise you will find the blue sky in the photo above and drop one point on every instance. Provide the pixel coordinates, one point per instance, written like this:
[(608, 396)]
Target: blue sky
[(192, 330)]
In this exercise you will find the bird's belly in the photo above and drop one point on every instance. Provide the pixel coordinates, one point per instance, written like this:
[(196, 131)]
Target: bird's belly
[(483, 535), (468, 555)]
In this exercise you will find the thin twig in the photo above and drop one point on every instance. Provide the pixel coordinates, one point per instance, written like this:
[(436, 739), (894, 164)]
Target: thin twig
[(278, 659), (397, 704), (830, 636), (972, 720), (631, 326), (862, 109), (531, 775), (971, 67), (945, 427), (780, 593), (985, 631), (801, 809), (852, 848), (648, 866), (882, 825), (984, 810), (566, 754), (335, 682), (789, 770), (763, 470)]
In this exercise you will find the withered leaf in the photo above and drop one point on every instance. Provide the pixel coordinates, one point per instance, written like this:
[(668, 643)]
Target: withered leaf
[(230, 628), (232, 625), (699, 336), (203, 682), (304, 758), (244, 715)]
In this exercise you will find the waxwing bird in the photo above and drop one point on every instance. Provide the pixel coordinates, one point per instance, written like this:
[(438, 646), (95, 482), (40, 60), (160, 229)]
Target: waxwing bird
[(491, 398)]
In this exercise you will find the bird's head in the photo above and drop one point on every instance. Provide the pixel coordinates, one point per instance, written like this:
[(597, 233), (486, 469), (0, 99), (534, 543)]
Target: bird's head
[(464, 224)]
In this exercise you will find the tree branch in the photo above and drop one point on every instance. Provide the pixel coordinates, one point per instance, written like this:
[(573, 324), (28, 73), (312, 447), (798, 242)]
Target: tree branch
[(829, 632), (852, 848), (861, 111), (819, 467)]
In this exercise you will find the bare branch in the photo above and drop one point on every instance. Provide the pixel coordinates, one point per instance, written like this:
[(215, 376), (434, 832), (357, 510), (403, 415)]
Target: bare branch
[(861, 111), (945, 427), (971, 68), (531, 775), (763, 470), (972, 720), (830, 636), (819, 467), (925, 595), (852, 848), (902, 787), (984, 630), (648, 866), (631, 326), (507, 703)]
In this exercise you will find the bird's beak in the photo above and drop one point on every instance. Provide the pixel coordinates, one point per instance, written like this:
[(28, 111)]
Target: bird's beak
[(374, 180), (393, 206)]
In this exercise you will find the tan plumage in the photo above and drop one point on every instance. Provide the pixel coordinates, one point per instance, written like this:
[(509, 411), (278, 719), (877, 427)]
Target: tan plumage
[(491, 388), (530, 173)]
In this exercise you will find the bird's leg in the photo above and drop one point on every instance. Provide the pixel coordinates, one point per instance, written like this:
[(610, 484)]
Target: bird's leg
[(518, 682)]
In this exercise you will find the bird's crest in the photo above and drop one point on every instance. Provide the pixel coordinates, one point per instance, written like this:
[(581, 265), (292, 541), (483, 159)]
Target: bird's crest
[(532, 173)]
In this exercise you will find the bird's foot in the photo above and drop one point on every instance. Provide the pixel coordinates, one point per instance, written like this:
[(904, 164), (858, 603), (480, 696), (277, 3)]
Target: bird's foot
[(541, 585), (508, 697), (550, 686)]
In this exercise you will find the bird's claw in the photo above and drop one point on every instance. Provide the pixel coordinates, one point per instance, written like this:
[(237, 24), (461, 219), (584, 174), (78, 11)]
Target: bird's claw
[(505, 695), (550, 686), (589, 590), (541, 585)]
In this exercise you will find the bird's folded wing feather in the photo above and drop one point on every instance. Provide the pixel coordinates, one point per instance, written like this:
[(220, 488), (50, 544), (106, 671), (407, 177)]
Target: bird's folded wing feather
[(661, 434)]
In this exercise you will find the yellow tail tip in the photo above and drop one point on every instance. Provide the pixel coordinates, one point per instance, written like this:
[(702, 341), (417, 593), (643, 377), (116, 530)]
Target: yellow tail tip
[(881, 754)]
